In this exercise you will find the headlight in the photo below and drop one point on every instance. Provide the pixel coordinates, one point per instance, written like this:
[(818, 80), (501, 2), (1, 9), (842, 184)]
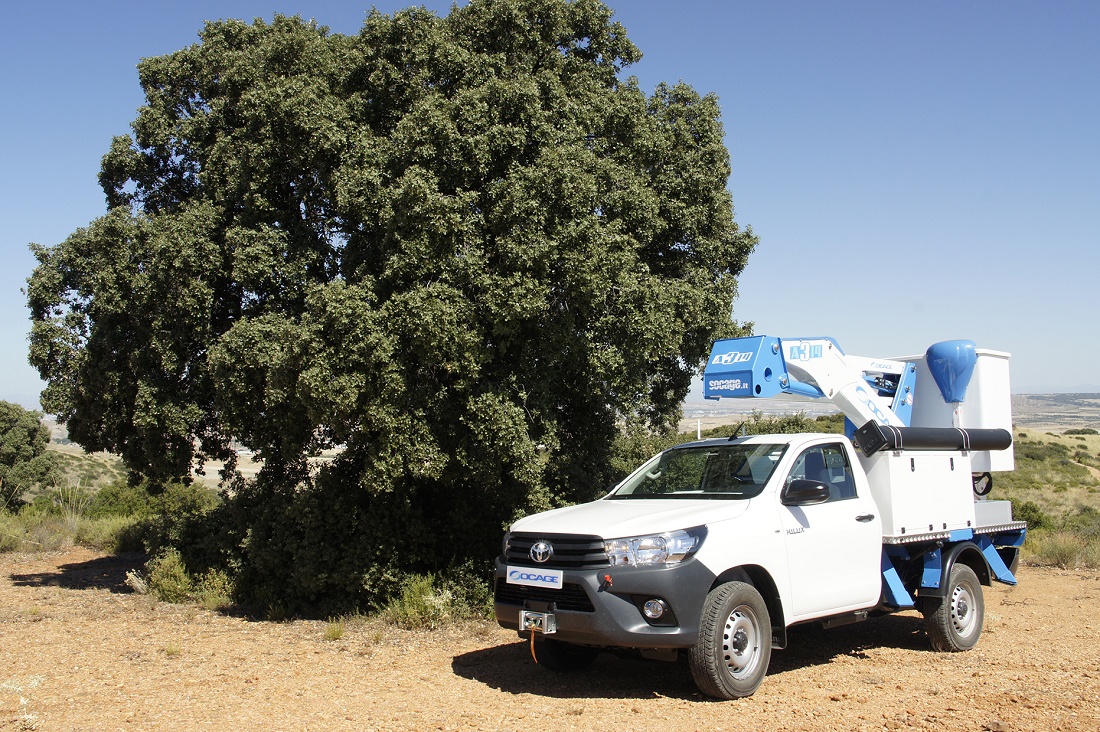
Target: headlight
[(670, 547)]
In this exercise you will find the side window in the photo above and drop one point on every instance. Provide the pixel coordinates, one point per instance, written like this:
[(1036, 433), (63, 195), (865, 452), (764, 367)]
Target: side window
[(826, 464)]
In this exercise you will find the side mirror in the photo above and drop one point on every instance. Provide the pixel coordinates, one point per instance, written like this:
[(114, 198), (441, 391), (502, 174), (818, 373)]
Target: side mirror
[(805, 493)]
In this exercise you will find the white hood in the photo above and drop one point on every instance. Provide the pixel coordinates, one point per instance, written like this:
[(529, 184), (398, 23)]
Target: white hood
[(616, 519)]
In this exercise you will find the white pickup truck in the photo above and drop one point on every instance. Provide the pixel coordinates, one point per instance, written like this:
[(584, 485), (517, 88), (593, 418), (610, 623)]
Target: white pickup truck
[(714, 548)]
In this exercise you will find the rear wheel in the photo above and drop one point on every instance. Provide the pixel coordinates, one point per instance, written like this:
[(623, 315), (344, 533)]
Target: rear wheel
[(731, 657), (954, 621)]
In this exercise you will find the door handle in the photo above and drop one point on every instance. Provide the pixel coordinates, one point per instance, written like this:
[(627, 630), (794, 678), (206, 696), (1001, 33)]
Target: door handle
[(865, 518)]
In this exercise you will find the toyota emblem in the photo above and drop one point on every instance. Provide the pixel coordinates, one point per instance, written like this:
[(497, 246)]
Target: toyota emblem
[(541, 551)]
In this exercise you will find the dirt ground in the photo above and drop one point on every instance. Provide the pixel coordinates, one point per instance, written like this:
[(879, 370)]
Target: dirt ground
[(79, 651)]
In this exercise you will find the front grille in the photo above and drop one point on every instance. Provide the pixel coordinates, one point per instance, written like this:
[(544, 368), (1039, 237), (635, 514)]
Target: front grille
[(571, 551), (570, 597)]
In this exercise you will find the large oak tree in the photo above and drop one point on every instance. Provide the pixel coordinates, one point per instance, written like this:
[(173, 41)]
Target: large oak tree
[(465, 249)]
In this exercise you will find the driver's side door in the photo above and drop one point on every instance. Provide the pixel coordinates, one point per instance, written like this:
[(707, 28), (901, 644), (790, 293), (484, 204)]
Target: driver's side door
[(834, 548)]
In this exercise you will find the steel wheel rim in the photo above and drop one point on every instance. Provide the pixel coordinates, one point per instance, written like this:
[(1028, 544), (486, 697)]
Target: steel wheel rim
[(964, 617), (741, 642)]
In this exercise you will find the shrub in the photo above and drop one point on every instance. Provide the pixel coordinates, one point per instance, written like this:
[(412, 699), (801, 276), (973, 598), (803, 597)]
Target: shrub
[(1084, 521), (830, 423), (119, 498), (167, 577), (108, 533), (430, 601), (214, 590), (11, 532), (1082, 431), (420, 605), (175, 516), (335, 629), (1030, 512), (472, 590), (1059, 549), (1090, 555), (44, 532)]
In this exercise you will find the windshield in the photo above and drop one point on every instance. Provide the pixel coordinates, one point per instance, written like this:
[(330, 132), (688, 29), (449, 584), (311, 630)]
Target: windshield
[(721, 471)]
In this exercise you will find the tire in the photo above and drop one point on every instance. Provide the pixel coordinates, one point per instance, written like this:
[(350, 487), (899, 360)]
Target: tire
[(731, 657), (563, 657), (954, 622)]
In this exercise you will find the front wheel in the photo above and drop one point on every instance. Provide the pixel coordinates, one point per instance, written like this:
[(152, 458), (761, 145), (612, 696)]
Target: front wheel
[(731, 657), (954, 622)]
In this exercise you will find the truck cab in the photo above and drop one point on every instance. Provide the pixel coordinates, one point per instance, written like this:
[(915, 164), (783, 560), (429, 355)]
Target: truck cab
[(792, 514)]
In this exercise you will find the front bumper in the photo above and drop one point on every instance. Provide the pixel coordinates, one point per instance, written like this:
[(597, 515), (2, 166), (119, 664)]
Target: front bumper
[(588, 611)]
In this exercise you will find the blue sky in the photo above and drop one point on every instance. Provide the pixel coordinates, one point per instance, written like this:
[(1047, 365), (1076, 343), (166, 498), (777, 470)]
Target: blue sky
[(915, 171)]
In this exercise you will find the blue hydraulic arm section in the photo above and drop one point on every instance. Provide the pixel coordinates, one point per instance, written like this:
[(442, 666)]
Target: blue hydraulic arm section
[(865, 389)]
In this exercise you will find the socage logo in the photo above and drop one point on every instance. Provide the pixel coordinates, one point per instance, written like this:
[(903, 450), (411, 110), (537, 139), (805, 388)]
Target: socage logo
[(541, 551)]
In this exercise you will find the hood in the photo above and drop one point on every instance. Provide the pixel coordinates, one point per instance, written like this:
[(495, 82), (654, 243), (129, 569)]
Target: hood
[(616, 519)]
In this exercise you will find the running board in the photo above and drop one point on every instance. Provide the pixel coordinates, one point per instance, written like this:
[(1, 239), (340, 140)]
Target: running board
[(847, 619)]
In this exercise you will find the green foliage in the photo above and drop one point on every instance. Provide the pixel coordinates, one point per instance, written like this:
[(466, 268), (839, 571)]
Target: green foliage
[(24, 461), (833, 423), (120, 498), (335, 629), (213, 590), (1081, 431), (167, 577), (463, 248), (176, 517), (115, 534), (1030, 512), (759, 423), (1065, 549), (421, 605), (11, 532), (426, 602)]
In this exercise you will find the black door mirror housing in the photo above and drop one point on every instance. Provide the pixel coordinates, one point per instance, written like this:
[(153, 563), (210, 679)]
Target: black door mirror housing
[(805, 493)]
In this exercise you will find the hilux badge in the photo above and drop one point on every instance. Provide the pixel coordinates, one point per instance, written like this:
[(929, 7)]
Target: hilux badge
[(541, 551)]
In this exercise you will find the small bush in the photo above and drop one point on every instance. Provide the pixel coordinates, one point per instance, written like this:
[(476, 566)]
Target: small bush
[(1082, 431), (167, 577), (1058, 549), (11, 533), (335, 629), (214, 590), (119, 498), (44, 532), (1090, 555), (431, 602), (1083, 521), (1030, 512), (421, 605), (108, 533), (472, 591), (175, 515)]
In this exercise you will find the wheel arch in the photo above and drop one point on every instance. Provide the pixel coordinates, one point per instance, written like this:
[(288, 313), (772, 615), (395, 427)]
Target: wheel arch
[(761, 579), (964, 552)]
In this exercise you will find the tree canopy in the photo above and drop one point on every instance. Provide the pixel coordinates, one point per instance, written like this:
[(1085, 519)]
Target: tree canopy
[(463, 249), (24, 462)]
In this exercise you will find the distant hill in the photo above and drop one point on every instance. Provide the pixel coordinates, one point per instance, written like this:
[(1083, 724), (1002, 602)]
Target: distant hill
[(1049, 411), (1060, 411)]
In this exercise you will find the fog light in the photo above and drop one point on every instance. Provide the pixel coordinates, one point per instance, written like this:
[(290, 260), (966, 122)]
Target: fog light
[(654, 609)]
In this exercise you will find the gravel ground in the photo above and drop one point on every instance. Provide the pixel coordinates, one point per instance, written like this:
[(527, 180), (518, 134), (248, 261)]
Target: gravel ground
[(89, 655)]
